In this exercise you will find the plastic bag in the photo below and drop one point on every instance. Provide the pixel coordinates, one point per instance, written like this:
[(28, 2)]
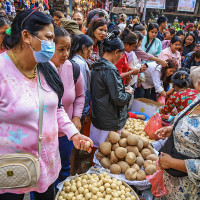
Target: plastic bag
[(158, 188), (161, 100), (154, 123)]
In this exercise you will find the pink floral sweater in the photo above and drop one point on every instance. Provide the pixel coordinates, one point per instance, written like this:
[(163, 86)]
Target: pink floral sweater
[(19, 118)]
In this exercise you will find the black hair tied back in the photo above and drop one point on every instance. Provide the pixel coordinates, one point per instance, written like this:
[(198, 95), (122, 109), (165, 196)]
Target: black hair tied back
[(181, 79)]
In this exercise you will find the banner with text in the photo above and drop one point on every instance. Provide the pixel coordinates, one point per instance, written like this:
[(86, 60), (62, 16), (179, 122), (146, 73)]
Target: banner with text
[(186, 5)]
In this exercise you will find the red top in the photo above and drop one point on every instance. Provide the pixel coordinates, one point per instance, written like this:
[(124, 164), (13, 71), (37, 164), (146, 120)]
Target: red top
[(180, 100), (123, 65)]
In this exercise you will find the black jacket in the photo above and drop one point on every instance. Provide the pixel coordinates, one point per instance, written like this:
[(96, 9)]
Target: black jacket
[(109, 99)]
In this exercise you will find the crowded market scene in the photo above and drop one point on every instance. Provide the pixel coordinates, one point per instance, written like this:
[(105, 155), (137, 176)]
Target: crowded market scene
[(99, 99)]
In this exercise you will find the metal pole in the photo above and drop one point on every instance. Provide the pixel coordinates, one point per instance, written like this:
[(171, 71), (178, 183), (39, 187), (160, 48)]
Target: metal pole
[(145, 9), (137, 6)]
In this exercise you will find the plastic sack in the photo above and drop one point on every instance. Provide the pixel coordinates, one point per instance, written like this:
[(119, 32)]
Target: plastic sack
[(158, 188), (161, 100), (154, 123)]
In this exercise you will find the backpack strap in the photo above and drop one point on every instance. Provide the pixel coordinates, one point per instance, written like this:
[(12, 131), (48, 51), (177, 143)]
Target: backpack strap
[(148, 48), (76, 71)]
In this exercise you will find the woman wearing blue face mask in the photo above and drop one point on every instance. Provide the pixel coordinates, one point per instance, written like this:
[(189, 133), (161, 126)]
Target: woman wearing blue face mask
[(27, 78)]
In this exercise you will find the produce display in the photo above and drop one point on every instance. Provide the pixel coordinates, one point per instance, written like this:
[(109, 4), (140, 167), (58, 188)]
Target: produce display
[(96, 187), (127, 154), (136, 126)]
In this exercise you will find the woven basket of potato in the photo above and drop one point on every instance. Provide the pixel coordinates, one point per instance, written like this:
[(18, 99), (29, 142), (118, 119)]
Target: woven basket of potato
[(95, 187)]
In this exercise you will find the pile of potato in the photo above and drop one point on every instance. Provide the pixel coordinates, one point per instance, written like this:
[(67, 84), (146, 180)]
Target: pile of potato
[(136, 126), (95, 187), (128, 154)]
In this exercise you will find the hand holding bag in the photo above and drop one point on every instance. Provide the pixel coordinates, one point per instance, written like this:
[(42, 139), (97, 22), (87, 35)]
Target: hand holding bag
[(19, 170)]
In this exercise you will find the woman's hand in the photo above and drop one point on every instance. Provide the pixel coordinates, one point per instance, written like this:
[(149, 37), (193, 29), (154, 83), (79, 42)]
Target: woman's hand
[(165, 161), (77, 122), (163, 63), (82, 142), (164, 132), (134, 71)]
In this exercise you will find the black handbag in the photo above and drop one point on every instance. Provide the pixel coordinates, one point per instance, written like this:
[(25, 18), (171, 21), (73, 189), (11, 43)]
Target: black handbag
[(170, 149)]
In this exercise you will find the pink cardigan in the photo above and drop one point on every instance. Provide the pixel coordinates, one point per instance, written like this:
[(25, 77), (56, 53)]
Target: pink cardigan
[(166, 54), (73, 98), (19, 117)]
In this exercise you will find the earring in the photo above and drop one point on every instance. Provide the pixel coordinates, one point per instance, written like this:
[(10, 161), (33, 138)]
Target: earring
[(29, 42)]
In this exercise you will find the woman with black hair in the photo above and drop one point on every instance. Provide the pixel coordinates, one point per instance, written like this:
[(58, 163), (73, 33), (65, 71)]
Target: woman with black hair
[(4, 25), (168, 36), (150, 43), (110, 98), (97, 31), (172, 52), (130, 41), (188, 44), (157, 79), (191, 59), (139, 27), (183, 95), (73, 98), (181, 35), (31, 46)]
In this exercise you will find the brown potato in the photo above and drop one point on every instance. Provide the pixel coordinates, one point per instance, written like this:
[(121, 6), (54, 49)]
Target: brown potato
[(114, 146), (147, 162), (114, 137), (124, 166), (152, 157), (123, 142), (132, 140), (115, 169), (145, 152), (130, 158), (136, 167), (140, 161), (99, 155), (141, 175), (105, 162), (125, 133), (150, 169), (133, 149), (120, 152), (113, 158), (105, 148), (145, 141), (150, 148), (131, 174), (140, 144)]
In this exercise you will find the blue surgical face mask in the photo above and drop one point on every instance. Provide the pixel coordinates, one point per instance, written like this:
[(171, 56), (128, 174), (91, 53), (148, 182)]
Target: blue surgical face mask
[(46, 53)]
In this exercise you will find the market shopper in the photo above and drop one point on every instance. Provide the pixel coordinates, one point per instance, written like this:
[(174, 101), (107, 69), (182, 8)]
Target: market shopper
[(81, 50), (162, 22), (139, 27), (79, 18), (157, 79), (31, 47), (191, 59), (195, 77), (130, 41), (183, 95), (57, 16), (73, 98), (181, 34), (109, 96), (180, 157), (4, 25), (169, 34), (172, 52), (196, 33), (150, 43), (122, 22), (97, 31), (188, 44)]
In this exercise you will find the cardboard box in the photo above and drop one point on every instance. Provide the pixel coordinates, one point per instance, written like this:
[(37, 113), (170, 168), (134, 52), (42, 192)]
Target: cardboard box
[(146, 106)]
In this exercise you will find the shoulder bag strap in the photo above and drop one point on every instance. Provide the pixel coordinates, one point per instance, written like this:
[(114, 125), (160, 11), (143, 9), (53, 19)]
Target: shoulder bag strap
[(148, 48), (41, 107)]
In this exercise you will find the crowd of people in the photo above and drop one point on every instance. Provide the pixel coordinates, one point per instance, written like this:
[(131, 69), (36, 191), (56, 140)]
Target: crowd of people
[(89, 70)]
